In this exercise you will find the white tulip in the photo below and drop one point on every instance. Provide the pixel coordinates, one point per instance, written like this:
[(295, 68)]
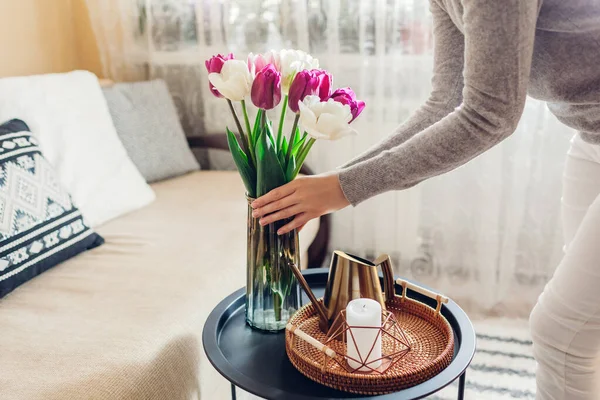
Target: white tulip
[(290, 63), (234, 81), (327, 120)]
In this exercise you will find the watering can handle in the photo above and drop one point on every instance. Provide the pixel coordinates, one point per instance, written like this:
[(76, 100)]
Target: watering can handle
[(388, 276)]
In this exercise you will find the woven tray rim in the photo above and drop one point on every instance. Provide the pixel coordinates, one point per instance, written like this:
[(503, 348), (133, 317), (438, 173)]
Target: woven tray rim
[(376, 384)]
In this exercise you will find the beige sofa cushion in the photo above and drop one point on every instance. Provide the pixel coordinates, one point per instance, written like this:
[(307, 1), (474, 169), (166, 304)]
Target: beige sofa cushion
[(124, 321)]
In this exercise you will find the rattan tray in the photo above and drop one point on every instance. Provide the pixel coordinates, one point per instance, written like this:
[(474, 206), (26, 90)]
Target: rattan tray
[(428, 332)]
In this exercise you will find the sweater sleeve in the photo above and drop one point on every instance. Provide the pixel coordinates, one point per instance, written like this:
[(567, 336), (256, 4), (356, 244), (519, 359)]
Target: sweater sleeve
[(499, 38), (446, 83)]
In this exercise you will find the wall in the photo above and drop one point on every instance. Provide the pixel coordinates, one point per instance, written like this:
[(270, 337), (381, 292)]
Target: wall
[(44, 36), (87, 48)]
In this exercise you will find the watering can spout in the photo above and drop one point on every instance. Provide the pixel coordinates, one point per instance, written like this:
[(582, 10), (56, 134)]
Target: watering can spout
[(316, 303)]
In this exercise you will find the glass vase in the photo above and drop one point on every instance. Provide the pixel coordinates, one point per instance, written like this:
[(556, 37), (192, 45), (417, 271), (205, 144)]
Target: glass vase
[(272, 291)]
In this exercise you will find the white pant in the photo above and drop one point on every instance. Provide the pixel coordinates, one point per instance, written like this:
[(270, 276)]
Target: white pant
[(565, 323)]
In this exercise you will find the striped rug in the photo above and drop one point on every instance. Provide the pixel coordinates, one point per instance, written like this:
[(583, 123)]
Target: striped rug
[(503, 367)]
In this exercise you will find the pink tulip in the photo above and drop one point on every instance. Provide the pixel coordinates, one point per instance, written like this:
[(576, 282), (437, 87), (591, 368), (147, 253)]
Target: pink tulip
[(347, 96), (256, 62), (215, 64), (305, 83), (266, 88), (325, 82)]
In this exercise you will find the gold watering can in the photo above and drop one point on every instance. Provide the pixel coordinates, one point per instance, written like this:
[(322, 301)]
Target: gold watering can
[(350, 277)]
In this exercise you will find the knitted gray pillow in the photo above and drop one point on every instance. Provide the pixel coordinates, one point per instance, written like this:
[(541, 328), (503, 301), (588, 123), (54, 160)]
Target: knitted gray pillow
[(147, 123)]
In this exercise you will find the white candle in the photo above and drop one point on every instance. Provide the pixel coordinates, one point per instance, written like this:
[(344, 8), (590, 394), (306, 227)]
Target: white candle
[(363, 317)]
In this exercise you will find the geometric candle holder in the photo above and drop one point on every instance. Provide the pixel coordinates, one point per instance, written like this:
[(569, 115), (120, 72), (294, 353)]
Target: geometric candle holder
[(394, 344)]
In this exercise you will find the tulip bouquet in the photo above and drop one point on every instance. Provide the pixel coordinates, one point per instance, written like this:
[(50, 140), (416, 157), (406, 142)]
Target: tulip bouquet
[(267, 157)]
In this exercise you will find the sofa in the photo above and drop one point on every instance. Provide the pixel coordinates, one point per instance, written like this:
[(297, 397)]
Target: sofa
[(124, 320)]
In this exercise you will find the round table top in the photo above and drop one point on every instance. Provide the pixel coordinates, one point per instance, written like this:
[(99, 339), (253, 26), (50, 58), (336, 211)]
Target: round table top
[(257, 362)]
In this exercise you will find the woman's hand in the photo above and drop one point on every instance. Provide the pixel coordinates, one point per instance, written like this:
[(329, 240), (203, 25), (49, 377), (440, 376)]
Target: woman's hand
[(305, 198)]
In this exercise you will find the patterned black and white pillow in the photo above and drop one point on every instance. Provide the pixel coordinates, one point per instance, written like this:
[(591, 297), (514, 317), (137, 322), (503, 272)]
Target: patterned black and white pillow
[(39, 225)]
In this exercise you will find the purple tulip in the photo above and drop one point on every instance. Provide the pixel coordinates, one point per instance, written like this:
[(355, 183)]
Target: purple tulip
[(347, 96), (325, 82), (215, 64), (266, 88), (305, 83)]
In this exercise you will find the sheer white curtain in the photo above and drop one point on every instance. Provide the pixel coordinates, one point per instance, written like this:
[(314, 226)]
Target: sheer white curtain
[(487, 234)]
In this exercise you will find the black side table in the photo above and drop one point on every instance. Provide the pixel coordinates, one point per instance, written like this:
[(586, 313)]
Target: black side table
[(257, 362)]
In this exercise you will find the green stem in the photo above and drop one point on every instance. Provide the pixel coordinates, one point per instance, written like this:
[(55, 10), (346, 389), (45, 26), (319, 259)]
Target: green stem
[(245, 111), (302, 155), (292, 136), (245, 143), (281, 119), (248, 130), (277, 305)]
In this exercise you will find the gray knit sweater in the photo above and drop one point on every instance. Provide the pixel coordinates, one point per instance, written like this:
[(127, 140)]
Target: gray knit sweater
[(489, 54)]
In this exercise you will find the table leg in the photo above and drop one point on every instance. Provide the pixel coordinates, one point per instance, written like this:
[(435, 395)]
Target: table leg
[(233, 397), (461, 386)]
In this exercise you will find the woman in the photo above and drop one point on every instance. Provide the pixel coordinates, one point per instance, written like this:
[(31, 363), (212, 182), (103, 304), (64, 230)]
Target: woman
[(488, 55)]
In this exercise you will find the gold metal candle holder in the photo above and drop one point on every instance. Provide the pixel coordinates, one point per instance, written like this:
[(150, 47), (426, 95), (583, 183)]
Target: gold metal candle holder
[(394, 344)]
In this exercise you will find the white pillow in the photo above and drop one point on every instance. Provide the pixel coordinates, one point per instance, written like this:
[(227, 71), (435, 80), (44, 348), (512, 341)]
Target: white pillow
[(69, 116)]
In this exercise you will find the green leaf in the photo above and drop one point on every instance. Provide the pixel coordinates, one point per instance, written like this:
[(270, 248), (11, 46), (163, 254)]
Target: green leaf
[(270, 136), (291, 167), (256, 130), (284, 148), (298, 145), (295, 136), (240, 158), (269, 172), (270, 132), (303, 153)]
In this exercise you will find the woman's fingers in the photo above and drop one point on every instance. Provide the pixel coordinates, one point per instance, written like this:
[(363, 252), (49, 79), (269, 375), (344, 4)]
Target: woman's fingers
[(282, 214), (274, 206), (274, 195), (310, 198), (300, 220)]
